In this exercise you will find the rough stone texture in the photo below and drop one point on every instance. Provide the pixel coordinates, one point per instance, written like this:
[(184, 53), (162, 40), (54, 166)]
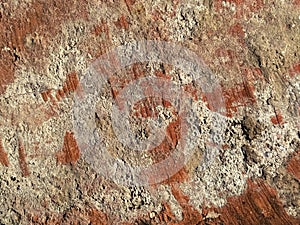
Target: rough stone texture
[(251, 46)]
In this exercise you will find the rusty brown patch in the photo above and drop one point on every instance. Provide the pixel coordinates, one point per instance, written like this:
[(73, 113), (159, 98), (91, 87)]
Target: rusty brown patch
[(39, 22), (70, 152), (277, 119), (129, 4), (22, 159), (3, 155), (295, 70), (238, 96), (237, 31), (133, 73), (122, 22), (190, 214), (296, 2), (6, 72), (259, 204), (70, 85), (294, 165), (101, 28)]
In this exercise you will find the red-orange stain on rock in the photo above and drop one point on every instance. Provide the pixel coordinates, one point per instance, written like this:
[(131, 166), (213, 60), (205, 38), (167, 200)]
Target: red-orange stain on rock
[(163, 150), (148, 107), (192, 91), (52, 97), (295, 70), (97, 217), (156, 15), (159, 153), (129, 4), (3, 155), (238, 96), (180, 177), (225, 146), (133, 73), (173, 132), (70, 85), (6, 73), (259, 204), (47, 112), (252, 74), (103, 40), (162, 74), (70, 152), (22, 159), (241, 94), (45, 95), (237, 31), (166, 216), (277, 119), (122, 22), (296, 2), (294, 165), (237, 2), (226, 56), (190, 215), (15, 30), (101, 28)]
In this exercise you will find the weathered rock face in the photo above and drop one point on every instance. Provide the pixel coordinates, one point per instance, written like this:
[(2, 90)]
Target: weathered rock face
[(49, 177)]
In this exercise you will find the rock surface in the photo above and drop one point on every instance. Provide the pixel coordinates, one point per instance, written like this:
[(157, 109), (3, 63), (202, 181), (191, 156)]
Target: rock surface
[(251, 47)]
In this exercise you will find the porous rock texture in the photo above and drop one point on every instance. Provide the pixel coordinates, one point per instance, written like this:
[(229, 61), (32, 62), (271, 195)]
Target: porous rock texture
[(252, 47)]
